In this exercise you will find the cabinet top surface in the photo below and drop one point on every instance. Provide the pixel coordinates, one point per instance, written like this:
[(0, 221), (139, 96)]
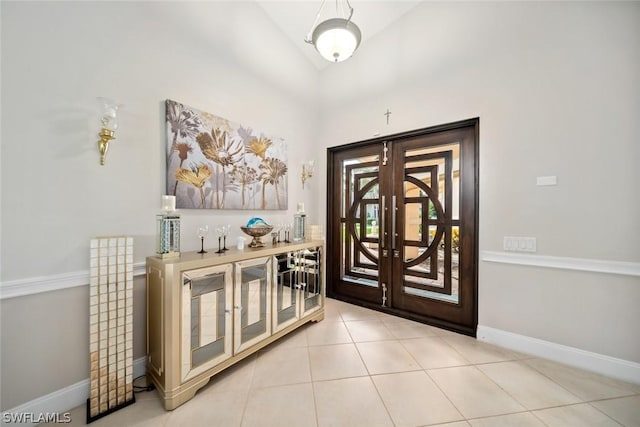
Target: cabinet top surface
[(233, 254)]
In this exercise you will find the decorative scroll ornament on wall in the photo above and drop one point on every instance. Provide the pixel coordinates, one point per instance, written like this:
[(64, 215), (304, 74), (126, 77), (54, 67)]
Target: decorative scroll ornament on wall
[(213, 163)]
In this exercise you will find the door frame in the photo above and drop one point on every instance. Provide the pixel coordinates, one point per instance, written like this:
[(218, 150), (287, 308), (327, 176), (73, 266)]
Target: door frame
[(334, 243)]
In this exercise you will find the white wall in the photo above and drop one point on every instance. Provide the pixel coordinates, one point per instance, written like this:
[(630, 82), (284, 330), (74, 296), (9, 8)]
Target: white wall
[(556, 87), (57, 57)]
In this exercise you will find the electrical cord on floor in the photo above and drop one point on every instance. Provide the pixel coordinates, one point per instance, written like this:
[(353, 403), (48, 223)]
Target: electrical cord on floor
[(142, 388)]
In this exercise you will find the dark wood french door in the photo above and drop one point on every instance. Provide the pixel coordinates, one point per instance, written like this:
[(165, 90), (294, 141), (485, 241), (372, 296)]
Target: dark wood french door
[(402, 224)]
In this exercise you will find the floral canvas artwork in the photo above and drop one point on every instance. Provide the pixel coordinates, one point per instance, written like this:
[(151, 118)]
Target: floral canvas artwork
[(213, 163)]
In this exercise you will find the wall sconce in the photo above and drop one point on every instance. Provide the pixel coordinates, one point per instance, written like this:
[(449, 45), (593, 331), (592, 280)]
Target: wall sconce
[(109, 120), (307, 171)]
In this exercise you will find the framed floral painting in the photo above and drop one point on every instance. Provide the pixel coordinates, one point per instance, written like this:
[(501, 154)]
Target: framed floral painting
[(213, 163)]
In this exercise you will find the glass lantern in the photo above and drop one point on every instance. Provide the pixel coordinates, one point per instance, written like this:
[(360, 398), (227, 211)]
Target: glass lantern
[(299, 224), (168, 235)]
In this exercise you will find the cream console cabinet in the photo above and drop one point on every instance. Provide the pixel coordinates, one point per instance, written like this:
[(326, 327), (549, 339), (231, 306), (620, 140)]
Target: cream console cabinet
[(206, 312)]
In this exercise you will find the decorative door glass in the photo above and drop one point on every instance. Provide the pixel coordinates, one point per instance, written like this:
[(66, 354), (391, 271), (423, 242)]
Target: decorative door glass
[(360, 221), (251, 307), (431, 222), (206, 327)]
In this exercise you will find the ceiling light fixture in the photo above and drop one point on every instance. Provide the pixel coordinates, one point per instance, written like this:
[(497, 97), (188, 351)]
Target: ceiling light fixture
[(337, 38)]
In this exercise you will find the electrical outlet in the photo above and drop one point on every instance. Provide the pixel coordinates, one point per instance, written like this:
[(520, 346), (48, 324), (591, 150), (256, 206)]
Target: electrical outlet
[(519, 244)]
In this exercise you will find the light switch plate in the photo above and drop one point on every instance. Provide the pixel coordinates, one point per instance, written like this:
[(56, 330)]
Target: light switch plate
[(520, 244), (546, 180)]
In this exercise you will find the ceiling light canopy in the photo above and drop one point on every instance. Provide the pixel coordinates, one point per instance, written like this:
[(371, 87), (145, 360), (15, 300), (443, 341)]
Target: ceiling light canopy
[(337, 38)]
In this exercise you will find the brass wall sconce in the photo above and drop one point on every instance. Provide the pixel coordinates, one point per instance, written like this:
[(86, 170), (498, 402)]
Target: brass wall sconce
[(307, 171), (109, 121)]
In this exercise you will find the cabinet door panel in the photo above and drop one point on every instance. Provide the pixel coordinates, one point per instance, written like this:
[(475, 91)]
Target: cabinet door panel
[(285, 301), (206, 324), (309, 272), (252, 309)]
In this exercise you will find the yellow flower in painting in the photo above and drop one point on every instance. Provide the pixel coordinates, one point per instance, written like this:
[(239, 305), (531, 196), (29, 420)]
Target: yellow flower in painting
[(259, 146), (219, 148), (196, 177)]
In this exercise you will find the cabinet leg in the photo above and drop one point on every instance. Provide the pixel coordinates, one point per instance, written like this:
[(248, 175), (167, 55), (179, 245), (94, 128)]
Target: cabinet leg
[(173, 400), (319, 317)]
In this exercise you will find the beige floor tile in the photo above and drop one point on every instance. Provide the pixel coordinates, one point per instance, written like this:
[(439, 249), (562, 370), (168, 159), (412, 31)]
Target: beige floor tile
[(445, 333), (326, 332), (586, 385), (523, 419), (388, 317), (274, 388), (479, 352), (290, 405), (368, 330), (383, 357), (211, 409), (144, 413), (434, 352), (413, 399), (352, 402), (235, 378), (282, 366), (402, 328), (354, 312), (331, 310), (582, 415), (297, 338), (625, 410), (529, 387), (454, 424), (473, 393), (145, 395), (329, 362)]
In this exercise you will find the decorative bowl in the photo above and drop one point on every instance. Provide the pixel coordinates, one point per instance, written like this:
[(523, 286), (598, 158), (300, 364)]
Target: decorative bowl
[(256, 232)]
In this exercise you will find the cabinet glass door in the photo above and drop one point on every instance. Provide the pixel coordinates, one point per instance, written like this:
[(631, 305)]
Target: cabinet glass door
[(309, 278), (206, 324), (285, 300), (252, 309)]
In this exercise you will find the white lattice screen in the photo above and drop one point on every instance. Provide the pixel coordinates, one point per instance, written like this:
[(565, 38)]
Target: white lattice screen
[(110, 325)]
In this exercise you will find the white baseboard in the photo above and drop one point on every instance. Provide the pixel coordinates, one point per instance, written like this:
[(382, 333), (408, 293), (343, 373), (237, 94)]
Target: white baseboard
[(65, 399), (606, 365)]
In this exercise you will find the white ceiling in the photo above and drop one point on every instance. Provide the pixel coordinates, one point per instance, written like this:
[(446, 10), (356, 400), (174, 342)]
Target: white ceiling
[(296, 17)]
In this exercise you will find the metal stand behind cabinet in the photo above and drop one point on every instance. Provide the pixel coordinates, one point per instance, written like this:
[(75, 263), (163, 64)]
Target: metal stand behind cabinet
[(206, 312)]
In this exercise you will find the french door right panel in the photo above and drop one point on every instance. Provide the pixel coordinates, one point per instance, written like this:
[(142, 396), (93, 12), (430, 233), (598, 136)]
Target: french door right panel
[(425, 255)]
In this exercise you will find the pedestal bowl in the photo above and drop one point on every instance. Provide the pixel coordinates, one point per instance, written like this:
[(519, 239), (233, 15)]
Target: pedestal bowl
[(257, 232)]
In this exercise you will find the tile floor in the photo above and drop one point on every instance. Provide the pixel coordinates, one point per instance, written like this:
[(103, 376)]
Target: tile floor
[(359, 367)]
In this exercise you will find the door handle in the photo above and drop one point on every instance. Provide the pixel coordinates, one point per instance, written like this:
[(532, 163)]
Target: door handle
[(384, 294), (393, 223), (382, 220)]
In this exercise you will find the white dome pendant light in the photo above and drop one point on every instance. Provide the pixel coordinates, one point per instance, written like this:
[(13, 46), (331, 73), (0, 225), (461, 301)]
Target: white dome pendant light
[(337, 38)]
